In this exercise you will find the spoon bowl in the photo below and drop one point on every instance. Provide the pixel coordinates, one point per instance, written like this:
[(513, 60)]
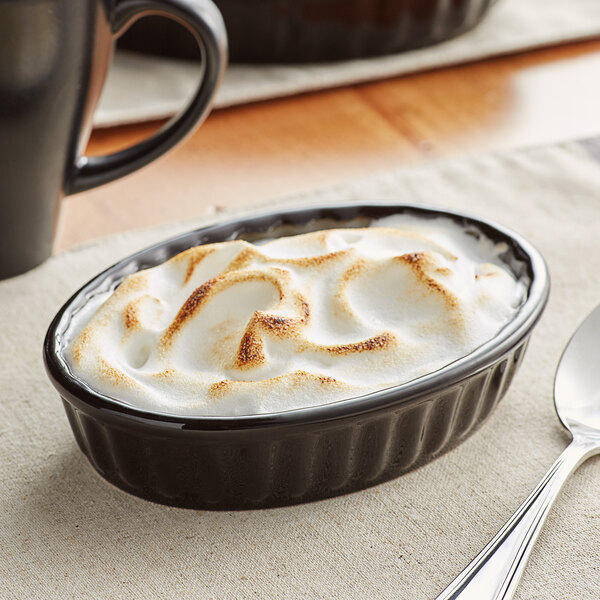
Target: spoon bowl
[(577, 382)]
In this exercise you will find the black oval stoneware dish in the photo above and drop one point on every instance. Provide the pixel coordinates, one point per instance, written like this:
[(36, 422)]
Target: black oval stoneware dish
[(304, 454), (288, 31)]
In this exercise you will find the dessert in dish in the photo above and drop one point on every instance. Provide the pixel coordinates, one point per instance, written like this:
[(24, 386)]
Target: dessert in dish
[(291, 456), (234, 328)]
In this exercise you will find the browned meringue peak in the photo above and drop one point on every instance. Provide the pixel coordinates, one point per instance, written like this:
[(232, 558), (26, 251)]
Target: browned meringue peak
[(235, 328)]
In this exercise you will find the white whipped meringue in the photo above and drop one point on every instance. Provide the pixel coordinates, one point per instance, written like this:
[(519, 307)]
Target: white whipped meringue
[(235, 328)]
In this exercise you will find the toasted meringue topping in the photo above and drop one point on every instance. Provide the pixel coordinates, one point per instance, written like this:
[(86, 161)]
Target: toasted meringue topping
[(235, 328)]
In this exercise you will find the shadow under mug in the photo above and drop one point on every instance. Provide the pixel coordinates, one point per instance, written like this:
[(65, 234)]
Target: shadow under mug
[(54, 56)]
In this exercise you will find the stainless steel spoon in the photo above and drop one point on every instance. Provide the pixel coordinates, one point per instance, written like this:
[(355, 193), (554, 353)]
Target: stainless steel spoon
[(495, 572)]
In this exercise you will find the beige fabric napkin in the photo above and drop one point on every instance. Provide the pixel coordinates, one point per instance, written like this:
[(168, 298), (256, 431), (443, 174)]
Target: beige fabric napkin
[(142, 87), (66, 533)]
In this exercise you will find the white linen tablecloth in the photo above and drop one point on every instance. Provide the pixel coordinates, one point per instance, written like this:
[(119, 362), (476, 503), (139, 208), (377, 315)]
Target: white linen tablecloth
[(66, 533)]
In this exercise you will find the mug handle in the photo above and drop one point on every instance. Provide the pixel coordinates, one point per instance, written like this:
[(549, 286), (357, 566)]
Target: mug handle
[(204, 20)]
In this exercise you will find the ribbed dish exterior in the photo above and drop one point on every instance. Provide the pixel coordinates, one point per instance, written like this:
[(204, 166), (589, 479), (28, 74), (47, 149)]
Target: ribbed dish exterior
[(317, 30), (288, 464), (295, 31)]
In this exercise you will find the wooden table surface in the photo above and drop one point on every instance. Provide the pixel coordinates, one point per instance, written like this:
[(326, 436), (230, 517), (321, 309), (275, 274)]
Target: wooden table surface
[(252, 153)]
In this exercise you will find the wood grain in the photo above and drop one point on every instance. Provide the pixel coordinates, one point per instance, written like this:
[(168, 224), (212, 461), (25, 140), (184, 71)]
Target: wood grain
[(249, 154)]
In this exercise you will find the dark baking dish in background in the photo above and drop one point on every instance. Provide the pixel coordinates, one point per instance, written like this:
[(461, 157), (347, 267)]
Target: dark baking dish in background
[(303, 454), (284, 31)]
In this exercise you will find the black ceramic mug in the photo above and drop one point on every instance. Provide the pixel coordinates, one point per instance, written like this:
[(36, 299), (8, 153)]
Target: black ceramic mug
[(54, 56)]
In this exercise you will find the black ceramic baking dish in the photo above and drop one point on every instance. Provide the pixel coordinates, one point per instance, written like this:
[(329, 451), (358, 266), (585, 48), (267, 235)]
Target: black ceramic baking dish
[(304, 454), (284, 31)]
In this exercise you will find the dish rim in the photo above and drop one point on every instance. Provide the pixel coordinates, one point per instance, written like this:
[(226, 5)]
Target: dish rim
[(72, 388)]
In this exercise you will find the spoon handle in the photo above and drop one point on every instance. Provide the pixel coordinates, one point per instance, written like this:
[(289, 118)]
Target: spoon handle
[(495, 572)]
